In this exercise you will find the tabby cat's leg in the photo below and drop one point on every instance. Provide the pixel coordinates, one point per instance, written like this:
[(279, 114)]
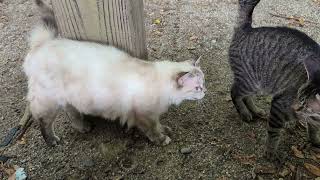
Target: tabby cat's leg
[(256, 111), (152, 128), (78, 121), (237, 98), (314, 132), (281, 114)]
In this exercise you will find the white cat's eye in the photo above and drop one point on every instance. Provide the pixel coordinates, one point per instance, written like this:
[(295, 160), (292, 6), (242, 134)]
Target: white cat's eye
[(198, 88)]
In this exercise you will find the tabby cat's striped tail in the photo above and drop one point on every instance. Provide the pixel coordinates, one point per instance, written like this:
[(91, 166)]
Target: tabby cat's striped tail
[(246, 8)]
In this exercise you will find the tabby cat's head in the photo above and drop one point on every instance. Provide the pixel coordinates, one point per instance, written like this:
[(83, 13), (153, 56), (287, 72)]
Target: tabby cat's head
[(309, 97)]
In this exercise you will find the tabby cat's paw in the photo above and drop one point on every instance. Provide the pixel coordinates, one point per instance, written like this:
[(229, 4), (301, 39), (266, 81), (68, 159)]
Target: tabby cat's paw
[(246, 116), (314, 133), (260, 113)]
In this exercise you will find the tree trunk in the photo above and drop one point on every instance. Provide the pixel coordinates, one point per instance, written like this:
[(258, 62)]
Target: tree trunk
[(115, 22)]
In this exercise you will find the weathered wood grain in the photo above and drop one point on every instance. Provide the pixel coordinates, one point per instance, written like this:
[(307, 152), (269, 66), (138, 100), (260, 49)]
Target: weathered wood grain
[(116, 22)]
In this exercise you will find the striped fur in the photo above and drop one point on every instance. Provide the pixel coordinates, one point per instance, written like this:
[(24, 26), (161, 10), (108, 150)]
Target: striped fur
[(271, 60)]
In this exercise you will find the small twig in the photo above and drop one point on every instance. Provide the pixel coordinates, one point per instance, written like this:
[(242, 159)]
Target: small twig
[(292, 18)]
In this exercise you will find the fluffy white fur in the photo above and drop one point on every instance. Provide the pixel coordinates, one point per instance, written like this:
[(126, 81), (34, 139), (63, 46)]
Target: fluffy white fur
[(104, 81)]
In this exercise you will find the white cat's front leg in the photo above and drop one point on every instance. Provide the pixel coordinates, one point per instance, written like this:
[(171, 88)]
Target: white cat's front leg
[(153, 130)]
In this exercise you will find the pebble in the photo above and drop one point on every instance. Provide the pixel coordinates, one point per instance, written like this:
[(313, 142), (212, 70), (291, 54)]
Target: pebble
[(88, 163), (186, 150)]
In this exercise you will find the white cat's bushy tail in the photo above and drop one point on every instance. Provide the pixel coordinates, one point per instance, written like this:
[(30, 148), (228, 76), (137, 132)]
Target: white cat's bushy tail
[(47, 29)]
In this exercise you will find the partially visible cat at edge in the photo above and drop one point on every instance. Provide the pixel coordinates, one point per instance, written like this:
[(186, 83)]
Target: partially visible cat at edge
[(94, 79), (281, 62)]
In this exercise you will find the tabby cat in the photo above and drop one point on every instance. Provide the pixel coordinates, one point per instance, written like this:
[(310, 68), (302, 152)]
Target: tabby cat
[(277, 61)]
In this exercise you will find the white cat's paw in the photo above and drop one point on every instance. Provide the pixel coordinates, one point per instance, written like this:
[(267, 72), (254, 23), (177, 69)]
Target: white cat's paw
[(166, 141)]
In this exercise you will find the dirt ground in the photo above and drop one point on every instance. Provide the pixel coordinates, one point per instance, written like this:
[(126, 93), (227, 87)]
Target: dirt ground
[(222, 146)]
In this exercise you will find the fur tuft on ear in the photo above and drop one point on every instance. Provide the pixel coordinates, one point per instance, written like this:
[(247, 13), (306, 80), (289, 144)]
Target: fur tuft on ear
[(195, 62)]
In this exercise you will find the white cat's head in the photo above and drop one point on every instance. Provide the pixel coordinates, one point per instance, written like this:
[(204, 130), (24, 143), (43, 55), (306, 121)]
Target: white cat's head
[(190, 84)]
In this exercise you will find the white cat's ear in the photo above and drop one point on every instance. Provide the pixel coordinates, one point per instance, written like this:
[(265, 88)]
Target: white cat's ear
[(195, 62), (185, 79)]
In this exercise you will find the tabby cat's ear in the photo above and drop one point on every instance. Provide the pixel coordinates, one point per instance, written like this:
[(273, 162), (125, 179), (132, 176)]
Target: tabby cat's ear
[(312, 66), (314, 104)]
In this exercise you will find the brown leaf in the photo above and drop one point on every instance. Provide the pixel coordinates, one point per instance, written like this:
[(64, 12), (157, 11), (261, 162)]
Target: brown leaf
[(297, 152), (246, 159), (12, 177), (314, 156), (301, 21), (9, 171), (251, 135), (312, 169), (285, 172), (157, 21), (193, 38), (292, 167), (222, 178), (22, 141), (315, 153), (317, 2), (265, 169)]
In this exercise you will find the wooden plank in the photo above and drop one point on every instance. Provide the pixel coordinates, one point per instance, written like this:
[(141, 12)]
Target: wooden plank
[(116, 22)]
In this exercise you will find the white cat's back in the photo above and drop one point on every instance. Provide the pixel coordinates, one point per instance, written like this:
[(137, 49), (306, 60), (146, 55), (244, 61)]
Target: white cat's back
[(90, 76)]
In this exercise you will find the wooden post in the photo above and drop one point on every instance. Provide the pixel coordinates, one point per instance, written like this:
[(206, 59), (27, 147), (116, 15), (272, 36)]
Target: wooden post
[(115, 22)]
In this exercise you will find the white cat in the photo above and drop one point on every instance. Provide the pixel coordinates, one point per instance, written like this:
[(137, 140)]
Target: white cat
[(90, 78)]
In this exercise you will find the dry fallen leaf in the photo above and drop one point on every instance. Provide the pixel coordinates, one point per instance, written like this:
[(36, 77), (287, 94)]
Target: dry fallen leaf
[(317, 1), (249, 160), (314, 156), (9, 171), (285, 172), (193, 38), (265, 169), (312, 169), (297, 152), (222, 178), (158, 33), (22, 141), (157, 21), (301, 21), (291, 167)]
